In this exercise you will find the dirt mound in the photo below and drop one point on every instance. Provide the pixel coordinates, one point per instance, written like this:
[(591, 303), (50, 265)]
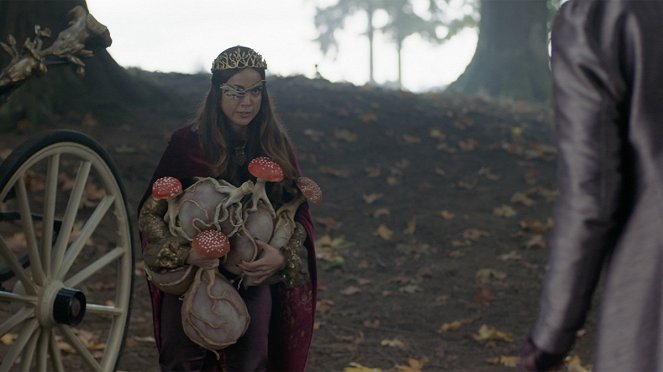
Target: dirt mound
[(431, 237)]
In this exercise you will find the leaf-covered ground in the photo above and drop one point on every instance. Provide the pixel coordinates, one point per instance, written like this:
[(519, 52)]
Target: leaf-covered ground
[(431, 238)]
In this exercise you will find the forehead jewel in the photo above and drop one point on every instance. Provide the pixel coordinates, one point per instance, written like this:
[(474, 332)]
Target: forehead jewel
[(234, 58)]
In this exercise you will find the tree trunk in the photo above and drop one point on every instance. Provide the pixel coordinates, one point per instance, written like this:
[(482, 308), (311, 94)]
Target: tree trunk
[(399, 50), (511, 60), (370, 31), (106, 86)]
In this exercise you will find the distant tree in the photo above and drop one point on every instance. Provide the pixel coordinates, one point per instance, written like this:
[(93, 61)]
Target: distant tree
[(403, 22), (332, 18), (105, 86), (511, 59)]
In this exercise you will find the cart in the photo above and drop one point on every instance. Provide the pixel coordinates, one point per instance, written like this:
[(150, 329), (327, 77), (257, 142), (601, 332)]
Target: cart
[(66, 240)]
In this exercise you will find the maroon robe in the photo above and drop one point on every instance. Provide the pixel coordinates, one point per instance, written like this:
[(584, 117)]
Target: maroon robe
[(293, 309)]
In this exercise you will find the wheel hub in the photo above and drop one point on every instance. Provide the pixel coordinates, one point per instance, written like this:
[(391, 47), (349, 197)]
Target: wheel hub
[(60, 305), (69, 306)]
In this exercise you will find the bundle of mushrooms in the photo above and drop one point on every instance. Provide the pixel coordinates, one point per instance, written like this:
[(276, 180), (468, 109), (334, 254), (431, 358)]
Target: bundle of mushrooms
[(242, 214)]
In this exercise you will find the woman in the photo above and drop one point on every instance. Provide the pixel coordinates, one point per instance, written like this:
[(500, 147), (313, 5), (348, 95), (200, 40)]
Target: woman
[(235, 124)]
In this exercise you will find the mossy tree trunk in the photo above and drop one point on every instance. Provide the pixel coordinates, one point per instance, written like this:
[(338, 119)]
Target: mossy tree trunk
[(106, 86), (511, 60)]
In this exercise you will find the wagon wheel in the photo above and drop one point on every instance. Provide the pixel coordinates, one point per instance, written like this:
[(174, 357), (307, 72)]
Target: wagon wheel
[(66, 256)]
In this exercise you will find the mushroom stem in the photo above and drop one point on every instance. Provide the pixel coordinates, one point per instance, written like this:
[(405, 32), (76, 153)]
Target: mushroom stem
[(285, 222), (237, 194), (259, 194)]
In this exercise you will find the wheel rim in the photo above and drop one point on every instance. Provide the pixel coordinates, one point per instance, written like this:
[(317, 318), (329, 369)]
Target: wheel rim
[(70, 185)]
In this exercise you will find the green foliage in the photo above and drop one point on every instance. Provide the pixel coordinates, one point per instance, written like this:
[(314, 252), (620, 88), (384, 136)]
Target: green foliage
[(332, 18)]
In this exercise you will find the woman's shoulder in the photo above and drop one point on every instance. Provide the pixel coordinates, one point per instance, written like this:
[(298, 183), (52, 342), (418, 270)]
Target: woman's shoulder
[(185, 133)]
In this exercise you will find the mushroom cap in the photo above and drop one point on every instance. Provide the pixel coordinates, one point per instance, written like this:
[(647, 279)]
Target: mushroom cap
[(211, 243), (266, 169), (310, 189), (166, 188)]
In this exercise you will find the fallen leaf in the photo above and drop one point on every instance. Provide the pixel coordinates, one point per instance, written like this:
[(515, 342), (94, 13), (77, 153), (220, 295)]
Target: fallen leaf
[(504, 211), (392, 181), (384, 232), (489, 333), (329, 223), (467, 184), (537, 226), (488, 173), (4, 153), (356, 367), (522, 198), (536, 242), (413, 365), (393, 343), (487, 275), (410, 227), (437, 134), (445, 147), (445, 214), (513, 255), (372, 198), (380, 212), (468, 145), (147, 339), (411, 140), (323, 306), (373, 172), (8, 338), (334, 172), (368, 118), (314, 134), (411, 289), (485, 295), (351, 290), (574, 364), (507, 361), (516, 132), (345, 135), (475, 234), (450, 327), (89, 120)]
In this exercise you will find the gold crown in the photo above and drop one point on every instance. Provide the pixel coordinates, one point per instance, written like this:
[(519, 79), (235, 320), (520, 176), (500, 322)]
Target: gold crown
[(238, 57)]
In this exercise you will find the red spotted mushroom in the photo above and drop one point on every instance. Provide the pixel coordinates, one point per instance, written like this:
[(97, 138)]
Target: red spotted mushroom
[(309, 189), (211, 243), (285, 216), (166, 187), (264, 170)]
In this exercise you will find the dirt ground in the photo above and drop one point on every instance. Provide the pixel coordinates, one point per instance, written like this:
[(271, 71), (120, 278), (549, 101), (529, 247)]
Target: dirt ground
[(431, 238)]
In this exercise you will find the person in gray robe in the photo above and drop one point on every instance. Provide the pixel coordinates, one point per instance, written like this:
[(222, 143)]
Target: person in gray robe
[(607, 66)]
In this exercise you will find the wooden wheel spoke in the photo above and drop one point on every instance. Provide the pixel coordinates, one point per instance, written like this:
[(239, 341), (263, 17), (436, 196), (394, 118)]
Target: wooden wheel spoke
[(16, 319), (81, 349), (71, 211), (19, 271), (42, 349), (94, 267), (103, 310), (50, 197), (19, 345), (90, 226), (54, 352), (28, 353), (29, 231)]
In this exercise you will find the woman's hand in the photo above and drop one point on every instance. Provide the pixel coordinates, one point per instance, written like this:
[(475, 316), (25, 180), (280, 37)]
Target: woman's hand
[(203, 262), (270, 260)]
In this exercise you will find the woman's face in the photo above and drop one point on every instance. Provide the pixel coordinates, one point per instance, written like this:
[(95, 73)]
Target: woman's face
[(241, 96)]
